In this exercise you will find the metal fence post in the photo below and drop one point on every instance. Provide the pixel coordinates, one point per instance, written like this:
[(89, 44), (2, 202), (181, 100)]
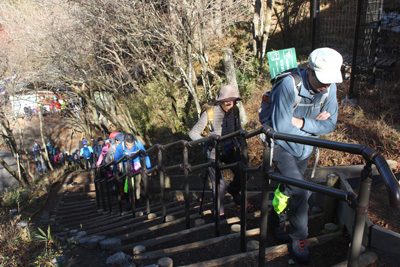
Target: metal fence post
[(243, 191), (361, 213), (217, 186), (186, 174), (266, 169), (162, 182), (145, 181), (96, 188), (108, 192), (131, 191)]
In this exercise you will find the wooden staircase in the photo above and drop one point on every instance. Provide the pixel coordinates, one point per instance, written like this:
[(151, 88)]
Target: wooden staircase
[(168, 237)]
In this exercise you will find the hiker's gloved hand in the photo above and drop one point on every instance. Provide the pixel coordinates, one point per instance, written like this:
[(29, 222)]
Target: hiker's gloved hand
[(280, 201)]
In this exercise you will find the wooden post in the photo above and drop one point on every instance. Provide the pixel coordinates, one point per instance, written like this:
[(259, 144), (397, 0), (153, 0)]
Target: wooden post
[(330, 203)]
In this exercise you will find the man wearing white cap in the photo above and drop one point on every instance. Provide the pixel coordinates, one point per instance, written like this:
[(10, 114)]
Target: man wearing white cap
[(315, 115)]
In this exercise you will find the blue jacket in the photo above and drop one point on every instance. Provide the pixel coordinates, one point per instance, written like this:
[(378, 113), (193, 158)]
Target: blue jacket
[(97, 149), (90, 149), (282, 101), (121, 151)]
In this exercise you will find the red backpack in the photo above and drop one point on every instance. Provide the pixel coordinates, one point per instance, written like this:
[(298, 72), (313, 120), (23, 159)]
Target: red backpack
[(57, 158)]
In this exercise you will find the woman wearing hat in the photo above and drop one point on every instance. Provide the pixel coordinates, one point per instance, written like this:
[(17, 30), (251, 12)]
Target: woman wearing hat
[(226, 120)]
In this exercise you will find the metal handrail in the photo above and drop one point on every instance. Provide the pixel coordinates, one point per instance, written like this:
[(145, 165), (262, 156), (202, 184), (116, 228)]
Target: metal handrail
[(358, 203)]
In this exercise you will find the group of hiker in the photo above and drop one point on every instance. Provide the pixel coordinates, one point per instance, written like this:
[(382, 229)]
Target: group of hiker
[(55, 156), (117, 146), (302, 102)]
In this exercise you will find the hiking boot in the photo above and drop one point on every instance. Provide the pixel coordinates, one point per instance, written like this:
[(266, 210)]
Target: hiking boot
[(300, 251)]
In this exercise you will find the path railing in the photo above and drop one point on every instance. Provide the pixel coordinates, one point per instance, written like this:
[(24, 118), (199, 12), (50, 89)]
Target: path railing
[(358, 203)]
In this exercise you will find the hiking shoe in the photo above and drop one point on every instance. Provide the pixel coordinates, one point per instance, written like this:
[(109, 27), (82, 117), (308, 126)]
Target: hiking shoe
[(300, 251)]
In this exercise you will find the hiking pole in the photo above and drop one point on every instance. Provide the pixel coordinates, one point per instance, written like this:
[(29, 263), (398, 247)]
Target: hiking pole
[(204, 179)]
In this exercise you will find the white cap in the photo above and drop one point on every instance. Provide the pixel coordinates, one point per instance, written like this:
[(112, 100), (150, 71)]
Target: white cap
[(327, 64)]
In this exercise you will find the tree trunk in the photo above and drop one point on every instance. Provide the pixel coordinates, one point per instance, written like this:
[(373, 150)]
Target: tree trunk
[(10, 170), (261, 27), (10, 137), (231, 79), (46, 157)]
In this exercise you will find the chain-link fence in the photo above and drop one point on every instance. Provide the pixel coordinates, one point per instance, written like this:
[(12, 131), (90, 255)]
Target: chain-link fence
[(364, 33)]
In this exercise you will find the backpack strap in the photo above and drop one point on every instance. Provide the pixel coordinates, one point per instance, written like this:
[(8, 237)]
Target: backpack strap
[(236, 116), (210, 121), (297, 85)]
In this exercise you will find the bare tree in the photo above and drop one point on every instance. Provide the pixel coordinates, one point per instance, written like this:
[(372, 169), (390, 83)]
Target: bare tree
[(7, 134), (262, 20)]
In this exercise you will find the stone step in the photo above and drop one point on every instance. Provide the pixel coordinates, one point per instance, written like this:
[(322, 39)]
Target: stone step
[(149, 242), (124, 226), (73, 204), (82, 177), (78, 196), (107, 220), (81, 187), (252, 256)]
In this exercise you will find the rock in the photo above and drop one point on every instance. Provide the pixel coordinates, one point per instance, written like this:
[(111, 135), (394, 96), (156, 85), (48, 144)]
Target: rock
[(130, 264), (235, 228), (139, 249), (199, 222), (151, 216), (111, 245), (60, 261), (165, 262), (118, 259), (139, 214), (81, 234), (84, 239), (330, 228), (253, 245), (73, 231), (22, 224), (95, 240), (169, 218)]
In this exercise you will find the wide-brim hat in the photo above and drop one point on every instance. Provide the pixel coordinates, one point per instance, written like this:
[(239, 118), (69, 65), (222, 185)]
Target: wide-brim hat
[(228, 93), (327, 64)]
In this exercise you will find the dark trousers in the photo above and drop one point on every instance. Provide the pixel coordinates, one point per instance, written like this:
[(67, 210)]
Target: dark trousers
[(234, 186), (87, 161), (292, 167)]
